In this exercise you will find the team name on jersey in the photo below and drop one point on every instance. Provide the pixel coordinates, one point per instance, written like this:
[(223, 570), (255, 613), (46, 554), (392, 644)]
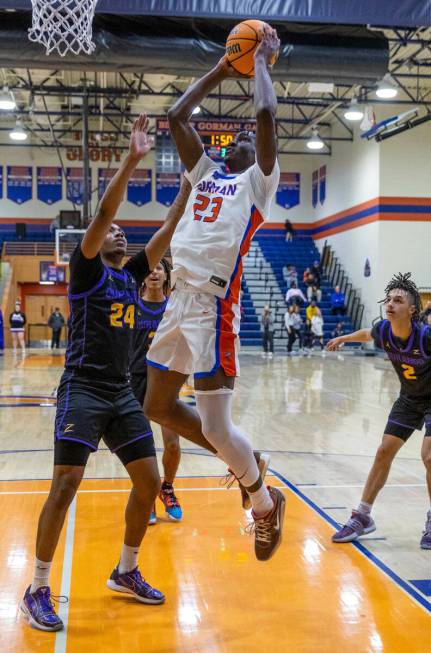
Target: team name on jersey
[(125, 296), (401, 358), (150, 325), (212, 187)]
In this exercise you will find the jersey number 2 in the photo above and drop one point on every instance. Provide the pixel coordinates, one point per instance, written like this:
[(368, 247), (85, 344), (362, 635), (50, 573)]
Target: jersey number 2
[(121, 317), (409, 372), (201, 205)]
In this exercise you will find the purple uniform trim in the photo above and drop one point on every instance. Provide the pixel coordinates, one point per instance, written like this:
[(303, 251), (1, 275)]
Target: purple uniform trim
[(89, 445), (424, 330), (85, 331), (406, 426), (66, 406), (138, 437), (87, 293), (409, 342)]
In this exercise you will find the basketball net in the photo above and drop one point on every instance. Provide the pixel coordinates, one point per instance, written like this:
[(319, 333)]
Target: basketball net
[(63, 25), (369, 119)]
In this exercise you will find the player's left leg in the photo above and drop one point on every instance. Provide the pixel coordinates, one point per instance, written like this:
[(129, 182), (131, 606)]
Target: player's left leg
[(426, 457), (171, 460), (21, 341), (214, 404)]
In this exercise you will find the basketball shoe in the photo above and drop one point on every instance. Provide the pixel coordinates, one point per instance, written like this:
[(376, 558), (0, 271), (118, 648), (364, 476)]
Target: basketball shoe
[(268, 530), (133, 583), (426, 536), (358, 524), (153, 517), (38, 607), (170, 501)]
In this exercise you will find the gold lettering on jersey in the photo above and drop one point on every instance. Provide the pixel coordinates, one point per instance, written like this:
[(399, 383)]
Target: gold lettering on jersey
[(69, 428)]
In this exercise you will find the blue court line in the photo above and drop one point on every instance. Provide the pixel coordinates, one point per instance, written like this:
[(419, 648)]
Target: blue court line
[(423, 586), (371, 556), (333, 507), (31, 405), (26, 396), (191, 452), (107, 478)]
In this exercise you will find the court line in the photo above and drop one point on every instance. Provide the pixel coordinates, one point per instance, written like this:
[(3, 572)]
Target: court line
[(404, 585), (315, 486), (66, 577)]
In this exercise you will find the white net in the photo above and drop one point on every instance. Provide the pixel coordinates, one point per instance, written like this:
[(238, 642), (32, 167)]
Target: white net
[(65, 242), (63, 25)]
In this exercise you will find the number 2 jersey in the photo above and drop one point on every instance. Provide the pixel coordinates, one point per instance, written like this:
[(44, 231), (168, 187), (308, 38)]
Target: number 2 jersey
[(411, 358), (103, 303), (222, 215)]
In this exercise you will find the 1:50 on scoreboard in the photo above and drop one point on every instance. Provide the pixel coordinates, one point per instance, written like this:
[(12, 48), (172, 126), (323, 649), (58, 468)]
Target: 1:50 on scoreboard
[(218, 140)]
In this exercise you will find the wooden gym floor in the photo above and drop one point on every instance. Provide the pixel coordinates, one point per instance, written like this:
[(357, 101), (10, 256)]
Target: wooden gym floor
[(321, 418)]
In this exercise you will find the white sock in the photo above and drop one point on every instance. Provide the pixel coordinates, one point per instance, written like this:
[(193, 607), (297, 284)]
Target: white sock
[(129, 559), (41, 574), (364, 507), (232, 446)]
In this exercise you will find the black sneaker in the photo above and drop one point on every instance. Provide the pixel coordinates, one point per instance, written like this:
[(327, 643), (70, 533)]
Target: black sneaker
[(268, 530)]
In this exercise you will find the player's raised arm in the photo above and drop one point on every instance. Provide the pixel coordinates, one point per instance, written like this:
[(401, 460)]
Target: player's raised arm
[(186, 138), (265, 101), (160, 242), (363, 335), (140, 145)]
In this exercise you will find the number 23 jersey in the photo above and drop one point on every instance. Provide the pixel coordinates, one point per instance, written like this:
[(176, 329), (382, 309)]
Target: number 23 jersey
[(103, 304), (222, 215), (411, 359)]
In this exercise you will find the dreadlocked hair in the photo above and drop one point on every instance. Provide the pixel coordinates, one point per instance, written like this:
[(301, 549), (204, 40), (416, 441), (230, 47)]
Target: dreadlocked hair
[(167, 284), (402, 281)]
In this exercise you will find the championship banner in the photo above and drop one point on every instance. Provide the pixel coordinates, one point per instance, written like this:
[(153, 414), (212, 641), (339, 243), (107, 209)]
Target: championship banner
[(322, 184), (75, 184), (314, 188), (167, 187), (49, 184), (139, 187), (19, 183), (288, 192), (104, 177)]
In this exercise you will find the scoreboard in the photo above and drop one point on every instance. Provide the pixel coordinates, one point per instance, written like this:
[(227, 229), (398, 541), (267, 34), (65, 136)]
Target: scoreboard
[(216, 134)]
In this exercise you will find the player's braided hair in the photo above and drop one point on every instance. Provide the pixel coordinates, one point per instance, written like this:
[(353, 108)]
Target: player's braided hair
[(402, 281)]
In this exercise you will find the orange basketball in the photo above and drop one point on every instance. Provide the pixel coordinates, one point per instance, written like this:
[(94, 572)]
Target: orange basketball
[(241, 44)]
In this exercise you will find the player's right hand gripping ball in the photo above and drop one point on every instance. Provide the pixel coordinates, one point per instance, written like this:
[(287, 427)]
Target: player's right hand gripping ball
[(242, 43)]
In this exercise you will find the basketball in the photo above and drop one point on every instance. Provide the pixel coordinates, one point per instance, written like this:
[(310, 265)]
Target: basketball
[(242, 43)]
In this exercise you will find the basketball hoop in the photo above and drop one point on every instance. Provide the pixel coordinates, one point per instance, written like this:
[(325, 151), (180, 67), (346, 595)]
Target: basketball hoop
[(63, 25)]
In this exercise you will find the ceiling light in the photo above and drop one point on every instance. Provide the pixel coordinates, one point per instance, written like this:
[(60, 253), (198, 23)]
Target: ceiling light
[(315, 142), (18, 133), (196, 110), (353, 111), (7, 103), (386, 89)]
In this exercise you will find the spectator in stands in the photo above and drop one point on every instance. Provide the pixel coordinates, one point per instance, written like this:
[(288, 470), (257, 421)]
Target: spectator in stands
[(289, 231), (295, 296), (17, 321), (290, 275), (56, 322), (316, 270), (425, 313), (317, 328), (338, 331), (313, 292), (309, 279), (1, 333), (293, 323), (338, 302), (311, 310), (267, 332)]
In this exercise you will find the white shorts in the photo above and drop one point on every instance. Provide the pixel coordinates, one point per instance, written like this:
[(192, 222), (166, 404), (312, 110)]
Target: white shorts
[(198, 334)]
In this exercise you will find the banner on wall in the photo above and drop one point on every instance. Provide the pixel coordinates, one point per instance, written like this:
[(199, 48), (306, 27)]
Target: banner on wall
[(322, 184), (1, 182), (49, 184), (75, 184), (314, 188), (104, 177), (288, 192), (19, 183), (167, 187), (139, 187)]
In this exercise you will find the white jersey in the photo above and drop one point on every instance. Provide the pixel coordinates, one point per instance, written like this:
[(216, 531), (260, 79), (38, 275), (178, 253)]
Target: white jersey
[(222, 215)]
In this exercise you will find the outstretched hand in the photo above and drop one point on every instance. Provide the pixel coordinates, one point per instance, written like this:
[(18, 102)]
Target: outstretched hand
[(335, 344), (269, 46), (140, 142), (227, 69)]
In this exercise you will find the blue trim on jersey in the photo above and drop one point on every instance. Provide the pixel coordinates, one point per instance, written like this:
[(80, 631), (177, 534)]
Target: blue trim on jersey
[(203, 375), (138, 437), (148, 310), (87, 293), (409, 342), (119, 275), (239, 259), (158, 365), (219, 175), (424, 329)]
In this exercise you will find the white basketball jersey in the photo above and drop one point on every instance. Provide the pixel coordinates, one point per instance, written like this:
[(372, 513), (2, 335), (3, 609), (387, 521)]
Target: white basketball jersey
[(222, 215)]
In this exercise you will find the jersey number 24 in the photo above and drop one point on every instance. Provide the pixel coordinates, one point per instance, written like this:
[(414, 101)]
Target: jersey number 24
[(122, 315)]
